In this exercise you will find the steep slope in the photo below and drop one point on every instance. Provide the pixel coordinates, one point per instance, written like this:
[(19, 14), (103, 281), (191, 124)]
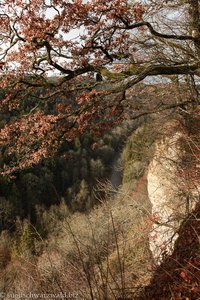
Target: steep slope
[(178, 276)]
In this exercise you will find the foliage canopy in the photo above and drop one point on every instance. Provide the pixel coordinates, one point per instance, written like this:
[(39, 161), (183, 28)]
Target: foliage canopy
[(51, 49)]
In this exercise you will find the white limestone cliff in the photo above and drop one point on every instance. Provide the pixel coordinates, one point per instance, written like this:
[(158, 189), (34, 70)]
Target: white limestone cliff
[(169, 205)]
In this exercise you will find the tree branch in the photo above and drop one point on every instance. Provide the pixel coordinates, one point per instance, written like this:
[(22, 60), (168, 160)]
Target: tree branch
[(154, 32), (128, 82)]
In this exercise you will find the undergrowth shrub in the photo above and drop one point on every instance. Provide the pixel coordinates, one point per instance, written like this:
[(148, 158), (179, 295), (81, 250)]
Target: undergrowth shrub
[(5, 253), (103, 249)]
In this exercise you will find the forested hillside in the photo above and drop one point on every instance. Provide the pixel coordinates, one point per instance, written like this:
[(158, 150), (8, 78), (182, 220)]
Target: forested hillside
[(71, 177), (83, 222)]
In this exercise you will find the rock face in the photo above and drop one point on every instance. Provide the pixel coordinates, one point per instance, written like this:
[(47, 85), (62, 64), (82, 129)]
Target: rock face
[(169, 205), (163, 195)]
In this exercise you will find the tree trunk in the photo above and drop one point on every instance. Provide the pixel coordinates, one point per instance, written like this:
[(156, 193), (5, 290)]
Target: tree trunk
[(195, 23)]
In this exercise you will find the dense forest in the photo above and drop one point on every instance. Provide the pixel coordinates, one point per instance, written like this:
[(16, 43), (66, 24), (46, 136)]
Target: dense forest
[(71, 176)]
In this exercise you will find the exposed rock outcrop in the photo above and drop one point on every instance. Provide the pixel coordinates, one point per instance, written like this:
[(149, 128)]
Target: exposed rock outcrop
[(168, 188)]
